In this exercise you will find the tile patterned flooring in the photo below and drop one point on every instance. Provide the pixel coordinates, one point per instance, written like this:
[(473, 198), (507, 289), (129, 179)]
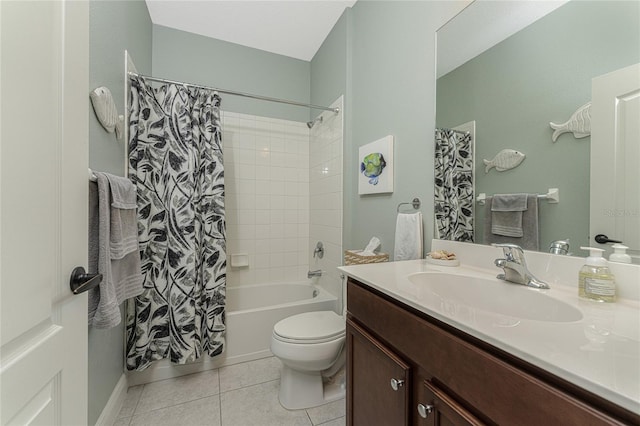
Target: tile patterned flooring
[(238, 395)]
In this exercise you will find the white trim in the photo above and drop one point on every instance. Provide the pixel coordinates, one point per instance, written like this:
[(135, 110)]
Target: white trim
[(110, 412)]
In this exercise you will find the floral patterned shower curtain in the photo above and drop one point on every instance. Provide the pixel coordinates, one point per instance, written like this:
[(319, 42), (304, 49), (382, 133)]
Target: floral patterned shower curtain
[(454, 186), (175, 160)]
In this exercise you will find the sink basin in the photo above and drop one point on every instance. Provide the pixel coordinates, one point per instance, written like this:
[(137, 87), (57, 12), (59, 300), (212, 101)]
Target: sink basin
[(495, 296)]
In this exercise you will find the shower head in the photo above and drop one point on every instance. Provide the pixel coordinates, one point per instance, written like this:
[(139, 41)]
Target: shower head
[(310, 124)]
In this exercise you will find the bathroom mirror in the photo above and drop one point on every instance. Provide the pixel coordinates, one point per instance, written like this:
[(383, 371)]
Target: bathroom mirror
[(514, 67)]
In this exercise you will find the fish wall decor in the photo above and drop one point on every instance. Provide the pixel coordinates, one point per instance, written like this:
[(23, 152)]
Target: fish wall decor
[(106, 111), (372, 166), (579, 124), (504, 160), (375, 166)]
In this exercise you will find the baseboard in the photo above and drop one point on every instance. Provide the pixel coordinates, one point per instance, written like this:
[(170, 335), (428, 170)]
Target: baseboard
[(114, 404), (163, 369)]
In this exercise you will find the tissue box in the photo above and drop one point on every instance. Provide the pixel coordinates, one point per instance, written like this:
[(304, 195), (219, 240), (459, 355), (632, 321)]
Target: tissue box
[(353, 257)]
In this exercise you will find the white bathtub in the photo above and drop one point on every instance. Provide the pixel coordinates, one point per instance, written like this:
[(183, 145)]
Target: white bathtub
[(252, 311)]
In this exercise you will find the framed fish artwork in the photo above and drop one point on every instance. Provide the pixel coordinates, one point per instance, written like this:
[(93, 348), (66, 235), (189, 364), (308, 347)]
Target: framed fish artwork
[(375, 167)]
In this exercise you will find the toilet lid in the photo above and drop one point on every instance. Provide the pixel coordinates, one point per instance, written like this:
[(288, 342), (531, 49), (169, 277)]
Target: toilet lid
[(311, 327)]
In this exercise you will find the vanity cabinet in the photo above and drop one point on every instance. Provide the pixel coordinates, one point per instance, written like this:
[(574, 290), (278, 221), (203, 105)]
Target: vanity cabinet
[(380, 380), (449, 377), (437, 408)]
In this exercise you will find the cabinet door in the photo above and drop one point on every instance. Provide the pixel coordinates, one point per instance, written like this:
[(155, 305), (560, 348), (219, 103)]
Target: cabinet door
[(378, 382), (439, 409)]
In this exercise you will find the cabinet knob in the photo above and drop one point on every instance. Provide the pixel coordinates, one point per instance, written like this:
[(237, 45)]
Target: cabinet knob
[(396, 383), (424, 410)]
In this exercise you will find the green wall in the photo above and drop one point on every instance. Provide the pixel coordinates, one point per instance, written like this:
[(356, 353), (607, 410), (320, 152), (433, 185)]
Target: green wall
[(541, 74), (380, 55), (329, 65), (184, 56), (392, 92), (330, 78), (114, 27)]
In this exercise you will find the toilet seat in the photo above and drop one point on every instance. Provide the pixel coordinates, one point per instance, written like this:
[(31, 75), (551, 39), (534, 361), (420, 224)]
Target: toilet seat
[(310, 327)]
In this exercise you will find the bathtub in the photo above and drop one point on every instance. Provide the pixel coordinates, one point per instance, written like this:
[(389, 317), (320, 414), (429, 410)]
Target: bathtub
[(252, 311)]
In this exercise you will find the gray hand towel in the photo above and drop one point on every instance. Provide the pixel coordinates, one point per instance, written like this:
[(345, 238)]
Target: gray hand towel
[(124, 223), (529, 239), (112, 251), (506, 212)]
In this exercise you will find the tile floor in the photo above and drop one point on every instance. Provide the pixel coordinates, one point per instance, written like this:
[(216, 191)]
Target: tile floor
[(238, 395)]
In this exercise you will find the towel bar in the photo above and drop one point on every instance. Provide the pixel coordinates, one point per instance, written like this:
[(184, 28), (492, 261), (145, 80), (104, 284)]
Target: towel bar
[(415, 203), (552, 196)]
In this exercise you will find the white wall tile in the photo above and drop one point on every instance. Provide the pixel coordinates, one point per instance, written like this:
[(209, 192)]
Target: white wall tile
[(277, 216), (262, 216), (262, 158), (325, 187), (263, 232), (269, 189), (246, 156), (262, 200), (290, 216), (277, 144), (263, 188), (290, 203)]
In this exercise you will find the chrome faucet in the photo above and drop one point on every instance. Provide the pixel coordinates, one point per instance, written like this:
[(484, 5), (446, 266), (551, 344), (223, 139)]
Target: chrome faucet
[(316, 273), (515, 267)]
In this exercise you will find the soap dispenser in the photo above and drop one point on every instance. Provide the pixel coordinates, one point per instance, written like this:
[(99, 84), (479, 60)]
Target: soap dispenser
[(595, 280), (619, 254)]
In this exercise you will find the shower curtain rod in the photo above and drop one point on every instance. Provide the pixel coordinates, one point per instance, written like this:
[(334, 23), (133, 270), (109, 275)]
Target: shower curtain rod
[(231, 92)]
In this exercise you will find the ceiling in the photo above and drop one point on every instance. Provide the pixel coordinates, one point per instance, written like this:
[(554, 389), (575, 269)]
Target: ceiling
[(294, 28)]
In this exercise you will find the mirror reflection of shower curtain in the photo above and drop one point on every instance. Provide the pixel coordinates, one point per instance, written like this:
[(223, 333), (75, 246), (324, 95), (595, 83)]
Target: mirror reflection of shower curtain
[(453, 199), (175, 161)]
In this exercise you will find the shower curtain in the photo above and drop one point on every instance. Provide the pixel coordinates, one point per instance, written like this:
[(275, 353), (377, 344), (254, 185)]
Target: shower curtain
[(175, 161), (454, 186)]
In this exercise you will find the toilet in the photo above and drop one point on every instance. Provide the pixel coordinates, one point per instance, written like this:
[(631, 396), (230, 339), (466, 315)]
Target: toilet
[(311, 347)]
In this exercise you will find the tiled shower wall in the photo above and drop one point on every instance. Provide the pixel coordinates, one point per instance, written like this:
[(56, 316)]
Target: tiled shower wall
[(283, 194), (266, 198), (325, 195)]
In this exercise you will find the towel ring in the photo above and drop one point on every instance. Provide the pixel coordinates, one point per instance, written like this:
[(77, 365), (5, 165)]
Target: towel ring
[(415, 203)]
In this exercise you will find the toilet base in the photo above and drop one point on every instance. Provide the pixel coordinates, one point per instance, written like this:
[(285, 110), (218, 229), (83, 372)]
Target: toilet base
[(300, 389)]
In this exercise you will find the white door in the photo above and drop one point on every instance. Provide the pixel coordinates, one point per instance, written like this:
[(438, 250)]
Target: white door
[(43, 217), (615, 158)]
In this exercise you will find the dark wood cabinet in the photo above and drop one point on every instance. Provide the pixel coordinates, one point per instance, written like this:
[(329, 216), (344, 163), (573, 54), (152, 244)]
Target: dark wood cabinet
[(450, 377), (436, 408), (381, 382)]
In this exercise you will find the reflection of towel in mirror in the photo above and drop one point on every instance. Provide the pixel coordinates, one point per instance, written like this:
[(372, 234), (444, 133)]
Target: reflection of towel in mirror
[(529, 239), (113, 248), (506, 214), (408, 242)]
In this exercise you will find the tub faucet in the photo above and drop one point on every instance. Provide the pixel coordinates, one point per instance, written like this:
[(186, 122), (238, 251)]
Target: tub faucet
[(515, 267), (316, 273)]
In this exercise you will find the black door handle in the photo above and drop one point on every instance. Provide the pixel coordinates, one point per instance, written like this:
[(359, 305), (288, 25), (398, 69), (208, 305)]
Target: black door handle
[(81, 281), (603, 239)]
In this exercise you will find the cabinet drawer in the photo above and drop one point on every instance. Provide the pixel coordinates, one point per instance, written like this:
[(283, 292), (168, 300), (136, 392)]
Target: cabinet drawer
[(485, 384)]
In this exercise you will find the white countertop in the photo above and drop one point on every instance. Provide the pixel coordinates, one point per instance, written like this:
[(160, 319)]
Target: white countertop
[(600, 352)]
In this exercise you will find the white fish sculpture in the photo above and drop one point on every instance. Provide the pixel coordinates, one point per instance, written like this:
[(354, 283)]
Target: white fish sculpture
[(106, 111), (504, 160), (579, 124)]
